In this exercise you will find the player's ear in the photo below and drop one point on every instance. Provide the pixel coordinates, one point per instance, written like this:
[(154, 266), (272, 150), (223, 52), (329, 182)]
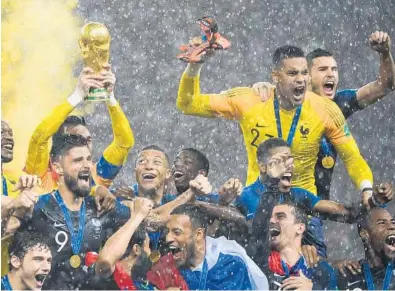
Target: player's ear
[(168, 174), (203, 172), (262, 167), (136, 250), (57, 167), (199, 234), (15, 262), (301, 228)]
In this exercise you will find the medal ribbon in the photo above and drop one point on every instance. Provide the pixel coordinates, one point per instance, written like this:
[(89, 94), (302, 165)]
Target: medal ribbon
[(76, 237), (369, 277), (295, 121), (325, 147), (5, 188), (6, 283)]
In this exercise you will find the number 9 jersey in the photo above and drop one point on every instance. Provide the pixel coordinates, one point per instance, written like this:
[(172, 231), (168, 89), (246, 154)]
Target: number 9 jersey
[(318, 117), (49, 220)]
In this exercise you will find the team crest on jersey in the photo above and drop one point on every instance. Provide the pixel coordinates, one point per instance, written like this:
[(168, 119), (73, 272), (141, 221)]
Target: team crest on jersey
[(304, 130), (97, 228)]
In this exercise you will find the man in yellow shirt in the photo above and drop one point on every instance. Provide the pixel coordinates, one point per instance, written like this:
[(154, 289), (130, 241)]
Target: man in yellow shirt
[(59, 122), (297, 116)]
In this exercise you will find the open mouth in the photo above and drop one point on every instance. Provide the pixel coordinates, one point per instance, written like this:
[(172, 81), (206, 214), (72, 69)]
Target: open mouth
[(176, 251), (40, 279), (8, 145), (286, 179), (177, 175), (299, 92), (329, 87), (148, 176), (85, 177), (274, 230), (390, 240)]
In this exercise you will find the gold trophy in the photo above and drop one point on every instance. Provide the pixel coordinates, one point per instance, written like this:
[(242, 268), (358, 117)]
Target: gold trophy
[(95, 49)]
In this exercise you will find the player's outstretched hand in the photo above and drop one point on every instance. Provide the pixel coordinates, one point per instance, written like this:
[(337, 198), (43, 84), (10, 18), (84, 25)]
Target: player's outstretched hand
[(87, 80), (380, 42), (229, 191), (200, 186), (263, 89), (109, 78), (353, 266), (142, 206), (27, 182), (278, 165), (104, 199)]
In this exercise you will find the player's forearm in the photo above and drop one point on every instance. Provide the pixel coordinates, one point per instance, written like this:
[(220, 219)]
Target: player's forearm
[(116, 246), (164, 211), (193, 70), (38, 151), (332, 210)]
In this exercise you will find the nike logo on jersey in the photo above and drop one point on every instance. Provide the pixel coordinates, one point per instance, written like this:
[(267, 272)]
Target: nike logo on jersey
[(352, 283), (58, 224)]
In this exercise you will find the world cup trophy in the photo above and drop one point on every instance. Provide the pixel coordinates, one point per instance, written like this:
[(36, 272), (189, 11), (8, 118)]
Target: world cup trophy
[(95, 49)]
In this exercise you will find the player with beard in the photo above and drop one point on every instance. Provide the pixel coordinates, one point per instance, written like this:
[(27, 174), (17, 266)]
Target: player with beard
[(30, 262), (125, 255), (207, 263), (377, 231), (298, 116), (324, 81), (59, 122), (69, 215), (276, 149)]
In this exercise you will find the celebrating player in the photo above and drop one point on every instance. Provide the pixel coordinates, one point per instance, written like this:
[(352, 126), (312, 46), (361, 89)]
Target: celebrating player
[(299, 117), (59, 122), (207, 263), (30, 262), (324, 82)]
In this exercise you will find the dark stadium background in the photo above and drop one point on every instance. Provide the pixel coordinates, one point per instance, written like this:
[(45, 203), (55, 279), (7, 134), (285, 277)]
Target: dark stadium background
[(145, 38)]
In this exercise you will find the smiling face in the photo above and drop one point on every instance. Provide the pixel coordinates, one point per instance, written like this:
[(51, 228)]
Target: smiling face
[(7, 142), (75, 167), (324, 76), (284, 228), (382, 232), (185, 169), (152, 170), (291, 79), (33, 268)]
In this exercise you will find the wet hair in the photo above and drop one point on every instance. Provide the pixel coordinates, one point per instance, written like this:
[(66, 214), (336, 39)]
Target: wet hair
[(195, 214), (25, 240), (263, 152), (201, 159), (155, 148), (297, 211), (61, 144), (317, 53), (70, 122), (286, 52), (138, 238)]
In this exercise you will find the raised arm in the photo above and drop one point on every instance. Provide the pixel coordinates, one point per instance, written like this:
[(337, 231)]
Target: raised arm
[(230, 104), (38, 153), (385, 83), (117, 244)]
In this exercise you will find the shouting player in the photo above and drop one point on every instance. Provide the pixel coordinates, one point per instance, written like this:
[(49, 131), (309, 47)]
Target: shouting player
[(324, 82), (300, 117), (59, 122)]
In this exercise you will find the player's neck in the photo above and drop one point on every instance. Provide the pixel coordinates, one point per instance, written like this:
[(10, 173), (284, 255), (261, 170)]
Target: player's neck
[(200, 253), (127, 264), (285, 104), (291, 254), (156, 195), (16, 281), (71, 201)]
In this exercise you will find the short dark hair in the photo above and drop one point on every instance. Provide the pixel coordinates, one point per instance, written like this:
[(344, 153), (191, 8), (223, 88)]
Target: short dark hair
[(264, 149), (138, 238), (155, 148), (195, 214), (286, 52), (25, 240), (70, 121), (61, 144), (317, 53), (299, 212), (202, 160)]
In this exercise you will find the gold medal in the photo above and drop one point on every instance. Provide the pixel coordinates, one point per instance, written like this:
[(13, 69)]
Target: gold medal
[(154, 256), (328, 162), (75, 261)]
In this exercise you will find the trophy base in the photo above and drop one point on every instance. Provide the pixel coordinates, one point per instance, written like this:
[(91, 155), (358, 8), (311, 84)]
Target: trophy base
[(97, 95)]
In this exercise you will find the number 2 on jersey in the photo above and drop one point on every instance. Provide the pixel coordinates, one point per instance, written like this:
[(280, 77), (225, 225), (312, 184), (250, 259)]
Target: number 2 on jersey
[(61, 239)]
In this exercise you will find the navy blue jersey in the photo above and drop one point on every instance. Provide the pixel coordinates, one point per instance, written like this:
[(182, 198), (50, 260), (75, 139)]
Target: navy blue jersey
[(49, 220), (248, 203), (348, 104)]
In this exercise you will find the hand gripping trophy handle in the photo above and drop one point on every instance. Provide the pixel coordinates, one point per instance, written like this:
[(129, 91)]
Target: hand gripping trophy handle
[(95, 50)]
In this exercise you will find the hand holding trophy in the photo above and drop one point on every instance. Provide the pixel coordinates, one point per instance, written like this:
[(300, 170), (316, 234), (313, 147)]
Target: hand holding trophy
[(95, 49)]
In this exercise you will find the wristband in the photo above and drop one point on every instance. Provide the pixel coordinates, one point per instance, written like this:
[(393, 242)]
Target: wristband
[(75, 98), (112, 101)]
